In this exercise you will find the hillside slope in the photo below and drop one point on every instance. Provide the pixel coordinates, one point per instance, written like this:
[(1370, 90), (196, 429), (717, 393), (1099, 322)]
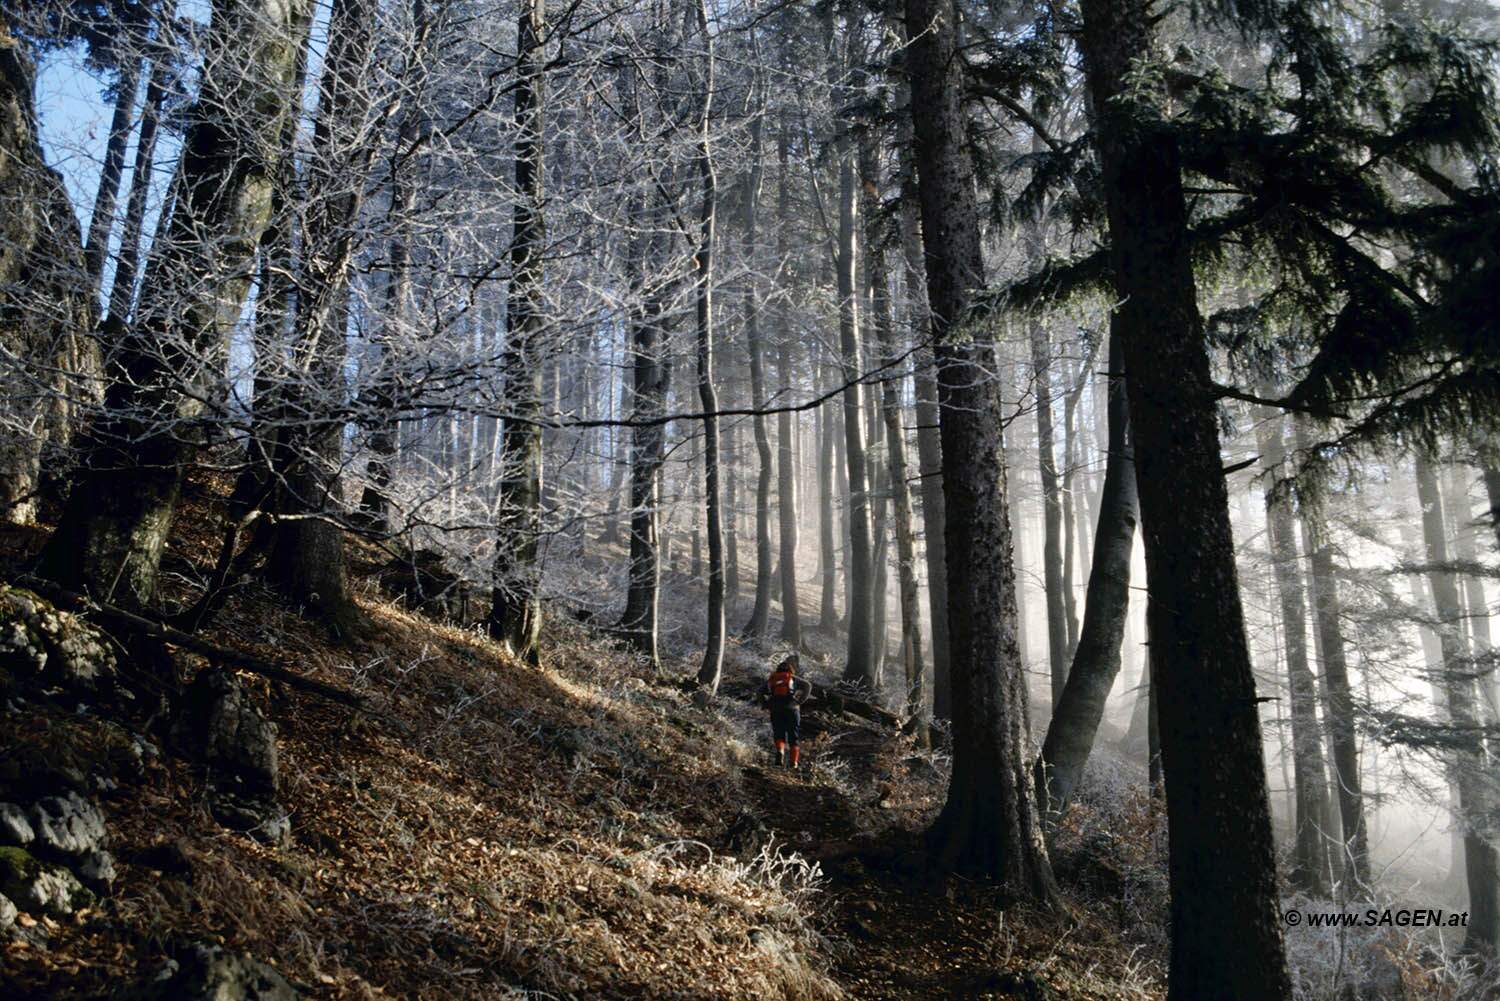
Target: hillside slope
[(493, 830)]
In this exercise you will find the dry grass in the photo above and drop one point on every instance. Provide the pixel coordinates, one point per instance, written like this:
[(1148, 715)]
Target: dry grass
[(542, 832)]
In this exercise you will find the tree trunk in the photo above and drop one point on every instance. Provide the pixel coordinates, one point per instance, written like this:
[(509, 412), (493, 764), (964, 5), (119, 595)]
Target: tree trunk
[(112, 534), (1225, 946), (989, 826), (1075, 719), (929, 443), (760, 613), (307, 555), (1339, 710), (1075, 507), (1311, 865), (122, 291), (786, 470), (516, 613), (1052, 512), (858, 667), (120, 126), (895, 441), (828, 615), (1475, 806), (713, 652)]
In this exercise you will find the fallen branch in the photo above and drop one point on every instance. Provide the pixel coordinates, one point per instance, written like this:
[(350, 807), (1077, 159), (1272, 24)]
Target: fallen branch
[(142, 625), (828, 699)]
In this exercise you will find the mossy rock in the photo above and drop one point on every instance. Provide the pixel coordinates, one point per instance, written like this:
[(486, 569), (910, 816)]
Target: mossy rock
[(40, 887), (39, 644)]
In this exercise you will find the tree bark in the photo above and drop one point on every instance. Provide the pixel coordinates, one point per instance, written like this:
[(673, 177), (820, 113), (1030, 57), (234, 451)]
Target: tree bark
[(102, 221), (1052, 512), (929, 443), (989, 826), (858, 666), (1096, 662), (895, 441), (1339, 710), (828, 616), (1225, 946), (516, 612), (760, 613), (110, 538), (786, 470), (1475, 806), (122, 290), (1311, 865), (713, 653)]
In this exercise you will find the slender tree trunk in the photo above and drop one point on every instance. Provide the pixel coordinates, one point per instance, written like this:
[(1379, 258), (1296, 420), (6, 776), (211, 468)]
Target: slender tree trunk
[(1339, 710), (786, 470), (111, 536), (760, 613), (1052, 566), (713, 653), (828, 615), (97, 246), (648, 442), (1224, 946), (729, 464), (515, 614), (1075, 719), (1475, 806), (858, 666), (1311, 865), (895, 442), (1075, 518), (989, 826), (878, 474), (122, 291), (929, 443)]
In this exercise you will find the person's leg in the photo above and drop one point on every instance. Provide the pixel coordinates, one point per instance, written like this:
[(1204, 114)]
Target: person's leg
[(792, 733), (779, 734)]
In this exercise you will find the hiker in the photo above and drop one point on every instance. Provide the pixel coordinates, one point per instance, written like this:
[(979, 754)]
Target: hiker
[(784, 693)]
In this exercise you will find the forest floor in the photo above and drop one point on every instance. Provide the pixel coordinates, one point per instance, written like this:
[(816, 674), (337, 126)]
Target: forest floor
[(582, 829)]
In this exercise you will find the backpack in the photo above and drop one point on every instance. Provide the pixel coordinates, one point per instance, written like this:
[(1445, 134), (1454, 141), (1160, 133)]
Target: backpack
[(781, 685)]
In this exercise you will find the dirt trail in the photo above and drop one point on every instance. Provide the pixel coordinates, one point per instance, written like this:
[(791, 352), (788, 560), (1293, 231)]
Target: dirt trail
[(909, 935)]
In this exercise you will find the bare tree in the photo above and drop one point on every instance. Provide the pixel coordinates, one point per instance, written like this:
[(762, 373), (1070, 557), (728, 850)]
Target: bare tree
[(515, 616), (164, 369)]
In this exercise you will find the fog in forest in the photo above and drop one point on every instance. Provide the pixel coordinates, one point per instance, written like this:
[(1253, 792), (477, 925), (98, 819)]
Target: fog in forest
[(1096, 404)]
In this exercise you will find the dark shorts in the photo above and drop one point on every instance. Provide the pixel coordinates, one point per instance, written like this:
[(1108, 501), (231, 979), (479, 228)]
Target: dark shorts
[(785, 723)]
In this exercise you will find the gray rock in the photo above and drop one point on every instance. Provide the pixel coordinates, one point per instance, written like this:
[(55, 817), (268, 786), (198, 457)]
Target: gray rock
[(15, 829), (39, 887), (42, 644), (97, 870), (747, 833), (218, 723), (68, 824), (261, 817), (8, 914), (209, 973)]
